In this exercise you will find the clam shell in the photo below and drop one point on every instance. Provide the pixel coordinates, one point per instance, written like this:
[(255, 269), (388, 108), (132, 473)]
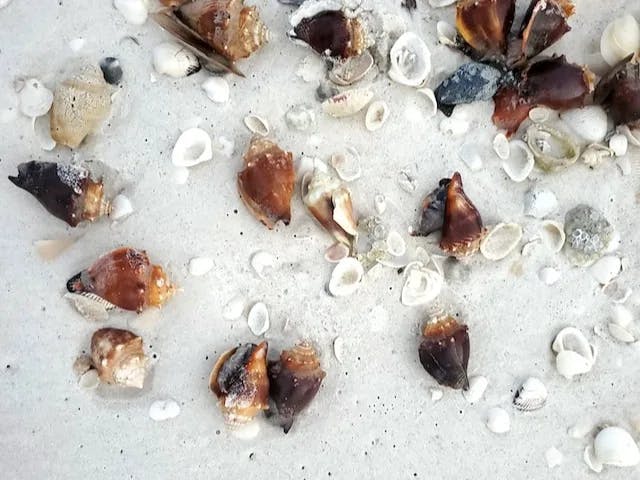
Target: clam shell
[(346, 277), (501, 146), (498, 420), (256, 124), (234, 308), (477, 386), (501, 241), (620, 39), (552, 235), (410, 60), (470, 155), (347, 103), (258, 319), (134, 12), (121, 207), (377, 114), (553, 149), (591, 123), (619, 144), (162, 410), (347, 164), (519, 164), (539, 203), (217, 89), (532, 395), (34, 99), (193, 147), (575, 355), (351, 70), (606, 269), (422, 284), (174, 60), (199, 266), (615, 446)]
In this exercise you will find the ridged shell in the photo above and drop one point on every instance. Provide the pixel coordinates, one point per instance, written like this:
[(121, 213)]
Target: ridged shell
[(119, 357), (532, 395)]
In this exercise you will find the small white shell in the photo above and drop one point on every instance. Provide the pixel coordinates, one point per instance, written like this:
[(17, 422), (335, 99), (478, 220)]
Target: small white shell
[(410, 60), (90, 307), (346, 277), (199, 266), (256, 124), (590, 459), (174, 60), (133, 11), (532, 395), (380, 203), (336, 252), (377, 114), (422, 284), (89, 379), (120, 207), (34, 98), (347, 103), (606, 269), (501, 241), (258, 319), (477, 386), (263, 263), (234, 308), (180, 175), (552, 235), (498, 420), (447, 33), (42, 130), (554, 457), (620, 39), (51, 249), (548, 275), (352, 69), (540, 114), (615, 446), (217, 89), (575, 355), (520, 162), (76, 44), (432, 103), (347, 164), (590, 122), (469, 154), (193, 147), (619, 144), (501, 146), (338, 349), (300, 117), (162, 410), (436, 394), (396, 245), (620, 333), (539, 203)]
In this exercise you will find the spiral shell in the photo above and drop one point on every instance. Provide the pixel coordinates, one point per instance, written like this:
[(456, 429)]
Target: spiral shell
[(118, 357)]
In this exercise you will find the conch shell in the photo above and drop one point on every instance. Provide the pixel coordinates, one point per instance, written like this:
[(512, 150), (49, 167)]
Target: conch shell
[(484, 25), (118, 357), (619, 92)]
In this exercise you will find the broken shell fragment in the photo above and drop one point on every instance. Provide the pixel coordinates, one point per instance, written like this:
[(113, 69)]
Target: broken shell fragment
[(615, 446), (549, 275), (91, 307), (126, 278), (444, 352), (447, 33), (422, 284), (431, 102), (300, 117), (498, 420), (520, 162), (532, 395), (174, 60), (351, 70), (267, 181), (477, 386), (120, 207), (501, 146), (432, 216), (484, 25), (539, 202), (619, 144), (347, 103), (410, 60), (199, 266), (256, 124), (34, 98), (258, 319), (217, 89), (574, 354), (377, 114), (544, 23), (620, 39), (193, 147), (118, 357), (606, 269), (588, 234), (346, 277), (501, 241), (472, 82), (240, 382), (294, 380), (347, 164), (553, 149), (552, 235), (66, 191)]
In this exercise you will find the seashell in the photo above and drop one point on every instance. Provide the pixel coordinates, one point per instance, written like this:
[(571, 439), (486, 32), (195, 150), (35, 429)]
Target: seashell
[(294, 380), (377, 114), (258, 319), (520, 162), (199, 266), (544, 23), (472, 82), (501, 146), (234, 308), (621, 333), (34, 99), (301, 117), (346, 277), (134, 11), (51, 249), (118, 357), (588, 233), (552, 235), (174, 60), (80, 104), (89, 380), (590, 122), (347, 164), (447, 33), (532, 395), (554, 457), (540, 114), (620, 39), (549, 275), (111, 70), (553, 150), (468, 153), (256, 124), (484, 25), (615, 446), (574, 354), (432, 103), (498, 420), (42, 131), (121, 207), (622, 316), (444, 352), (619, 144), (217, 89), (436, 394), (454, 126), (67, 192), (193, 147), (336, 252), (590, 459), (240, 382), (606, 269), (501, 241), (433, 206), (396, 245), (90, 306), (539, 203), (347, 103), (462, 228), (126, 278), (410, 60), (266, 183), (180, 175), (162, 410), (351, 70), (338, 349), (422, 284), (618, 90), (477, 386), (406, 180), (380, 203), (263, 263)]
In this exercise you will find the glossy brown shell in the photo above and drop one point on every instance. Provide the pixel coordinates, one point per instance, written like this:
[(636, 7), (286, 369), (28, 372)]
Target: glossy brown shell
[(510, 109), (266, 183), (545, 22), (331, 33), (484, 25), (119, 357), (444, 352), (619, 92), (432, 215)]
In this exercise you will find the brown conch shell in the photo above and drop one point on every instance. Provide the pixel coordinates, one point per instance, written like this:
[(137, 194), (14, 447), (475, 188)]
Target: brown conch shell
[(125, 278), (80, 104), (267, 181), (619, 92), (462, 229), (433, 205), (294, 379), (484, 25), (239, 380), (545, 22), (118, 357)]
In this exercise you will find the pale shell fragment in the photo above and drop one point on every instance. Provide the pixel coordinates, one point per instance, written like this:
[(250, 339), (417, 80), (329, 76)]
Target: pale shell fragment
[(501, 146), (477, 386), (193, 147), (447, 33), (120, 207), (51, 249), (615, 446), (590, 122), (540, 114), (199, 266), (234, 308), (606, 269), (554, 457), (432, 103), (336, 252), (619, 144), (263, 263), (501, 241), (552, 235), (174, 60), (469, 154), (422, 284), (162, 410), (539, 203), (347, 103), (376, 116), (352, 69), (498, 420), (410, 60), (575, 355), (549, 275), (89, 379), (300, 117), (338, 349), (217, 89), (347, 164), (180, 175), (590, 459), (396, 245), (620, 333), (436, 394), (134, 12), (346, 277), (622, 316), (519, 164), (34, 99), (42, 131), (532, 395), (258, 319), (441, 3), (620, 38), (256, 124)]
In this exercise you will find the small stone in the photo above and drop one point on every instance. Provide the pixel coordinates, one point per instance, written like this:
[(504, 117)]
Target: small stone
[(588, 233)]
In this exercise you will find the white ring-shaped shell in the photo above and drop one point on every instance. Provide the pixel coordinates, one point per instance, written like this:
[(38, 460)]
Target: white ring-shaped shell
[(410, 60), (193, 147), (346, 277), (501, 241), (519, 164), (376, 116), (575, 355), (422, 284), (552, 235), (620, 39)]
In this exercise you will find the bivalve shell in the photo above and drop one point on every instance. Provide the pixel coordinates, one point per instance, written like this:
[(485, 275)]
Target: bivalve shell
[(532, 395), (606, 269), (501, 146), (346, 277), (590, 122), (347, 164), (174, 60), (615, 446), (552, 149), (498, 420), (447, 33), (619, 144), (431, 102), (519, 164), (575, 355), (477, 386), (351, 70), (34, 99), (347, 103), (620, 39), (256, 124), (501, 241), (410, 60), (376, 116), (258, 319), (552, 235), (193, 147)]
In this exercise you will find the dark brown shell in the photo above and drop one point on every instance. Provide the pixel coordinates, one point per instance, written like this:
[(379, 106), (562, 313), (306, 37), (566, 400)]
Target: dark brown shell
[(331, 33), (432, 215), (444, 352), (118, 357), (294, 381), (484, 25), (267, 182), (619, 92), (66, 191), (126, 278), (510, 109), (462, 229)]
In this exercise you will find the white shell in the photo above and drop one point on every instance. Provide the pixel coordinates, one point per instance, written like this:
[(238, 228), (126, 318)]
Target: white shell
[(620, 39), (352, 69), (162, 410), (217, 89), (441, 3), (338, 349), (347, 164), (606, 269), (575, 355), (91, 308), (193, 147), (347, 103), (498, 420), (432, 103), (590, 122), (133, 11), (256, 124), (520, 162), (554, 457), (76, 44), (223, 147), (540, 114), (595, 154), (501, 241), (380, 203), (501, 146), (300, 117), (234, 308), (199, 266), (469, 154), (4, 3), (436, 394), (447, 33), (396, 245), (539, 203), (34, 98), (346, 277), (532, 395), (422, 284), (174, 60), (258, 319), (263, 263), (590, 459), (42, 131), (51, 249), (377, 114), (336, 252), (548, 275), (620, 333), (615, 446), (180, 175), (477, 386), (410, 60), (120, 207), (89, 379), (552, 235), (619, 144)]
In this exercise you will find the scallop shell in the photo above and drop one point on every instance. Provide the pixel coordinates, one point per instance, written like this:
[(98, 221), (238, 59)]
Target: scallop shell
[(351, 70), (552, 235), (346, 277), (258, 319), (501, 241), (134, 12), (519, 164), (119, 357), (347, 103), (574, 354), (90, 306), (217, 89), (498, 420), (193, 147), (620, 39), (591, 123), (174, 60), (410, 60), (422, 284), (501, 146), (256, 124), (553, 149), (532, 395), (34, 98), (347, 164), (377, 114), (615, 446)]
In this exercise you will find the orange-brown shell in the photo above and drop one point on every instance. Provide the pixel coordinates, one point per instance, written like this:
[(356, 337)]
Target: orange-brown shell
[(267, 181), (544, 23), (484, 25), (118, 357), (444, 352), (126, 278)]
